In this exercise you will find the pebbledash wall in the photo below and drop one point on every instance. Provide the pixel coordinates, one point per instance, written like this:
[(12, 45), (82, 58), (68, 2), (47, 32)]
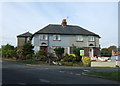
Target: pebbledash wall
[(66, 41)]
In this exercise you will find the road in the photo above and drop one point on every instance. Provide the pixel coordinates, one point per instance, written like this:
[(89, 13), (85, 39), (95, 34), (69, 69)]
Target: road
[(21, 74)]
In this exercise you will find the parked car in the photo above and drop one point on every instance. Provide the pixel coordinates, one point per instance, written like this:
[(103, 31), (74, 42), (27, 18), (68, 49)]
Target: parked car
[(114, 58)]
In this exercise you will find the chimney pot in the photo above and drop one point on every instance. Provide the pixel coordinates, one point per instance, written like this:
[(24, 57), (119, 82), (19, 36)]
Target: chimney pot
[(64, 23)]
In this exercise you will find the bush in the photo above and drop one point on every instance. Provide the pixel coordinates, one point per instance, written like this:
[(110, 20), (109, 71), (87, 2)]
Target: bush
[(27, 49), (72, 55), (69, 58), (86, 61), (43, 58), (40, 53), (40, 56), (76, 51), (67, 63), (59, 52), (29, 61), (8, 51), (14, 58)]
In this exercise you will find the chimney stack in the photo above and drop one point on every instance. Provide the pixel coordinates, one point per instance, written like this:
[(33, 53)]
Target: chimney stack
[(64, 23)]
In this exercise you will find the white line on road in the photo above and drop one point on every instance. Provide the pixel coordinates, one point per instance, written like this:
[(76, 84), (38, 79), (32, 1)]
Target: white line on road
[(78, 74), (22, 83), (70, 73), (86, 70), (61, 71), (43, 80)]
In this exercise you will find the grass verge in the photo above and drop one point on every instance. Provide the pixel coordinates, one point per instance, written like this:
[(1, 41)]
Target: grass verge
[(107, 75)]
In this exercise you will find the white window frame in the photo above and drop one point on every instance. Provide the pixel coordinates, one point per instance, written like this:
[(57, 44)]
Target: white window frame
[(91, 38), (79, 38), (44, 37), (55, 37), (28, 38)]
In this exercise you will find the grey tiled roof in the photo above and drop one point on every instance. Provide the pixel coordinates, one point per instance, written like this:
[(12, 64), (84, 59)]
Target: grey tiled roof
[(66, 30), (27, 34)]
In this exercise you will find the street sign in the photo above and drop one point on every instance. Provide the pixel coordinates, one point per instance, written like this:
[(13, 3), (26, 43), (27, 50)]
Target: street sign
[(81, 52)]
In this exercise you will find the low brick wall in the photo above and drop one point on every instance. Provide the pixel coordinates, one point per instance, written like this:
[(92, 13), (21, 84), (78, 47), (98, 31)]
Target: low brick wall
[(105, 64)]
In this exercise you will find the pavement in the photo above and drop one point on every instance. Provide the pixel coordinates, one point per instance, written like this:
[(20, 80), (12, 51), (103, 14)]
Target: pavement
[(22, 74)]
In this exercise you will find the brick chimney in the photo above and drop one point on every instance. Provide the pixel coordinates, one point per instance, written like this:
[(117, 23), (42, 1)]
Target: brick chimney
[(64, 23)]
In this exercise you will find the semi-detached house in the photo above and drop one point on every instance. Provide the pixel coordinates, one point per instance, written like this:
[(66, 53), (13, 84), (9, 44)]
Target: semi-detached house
[(66, 36)]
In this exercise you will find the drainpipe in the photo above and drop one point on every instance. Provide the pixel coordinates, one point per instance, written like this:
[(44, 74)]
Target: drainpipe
[(48, 44)]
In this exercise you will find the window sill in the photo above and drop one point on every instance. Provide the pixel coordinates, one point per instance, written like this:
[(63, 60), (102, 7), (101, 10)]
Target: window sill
[(43, 40), (91, 41), (56, 40), (79, 41)]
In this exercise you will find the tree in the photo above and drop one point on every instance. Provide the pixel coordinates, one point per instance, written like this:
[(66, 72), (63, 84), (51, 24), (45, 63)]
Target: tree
[(0, 52), (111, 48), (107, 51), (59, 52), (8, 51), (76, 51), (28, 50)]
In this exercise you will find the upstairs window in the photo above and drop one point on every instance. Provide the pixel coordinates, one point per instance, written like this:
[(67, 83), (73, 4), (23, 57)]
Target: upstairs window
[(91, 38), (79, 38), (44, 37), (28, 39), (56, 37)]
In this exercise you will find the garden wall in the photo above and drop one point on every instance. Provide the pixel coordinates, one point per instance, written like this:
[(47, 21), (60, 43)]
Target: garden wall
[(105, 64)]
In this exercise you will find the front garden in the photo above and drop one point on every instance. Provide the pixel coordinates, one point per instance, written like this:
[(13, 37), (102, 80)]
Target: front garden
[(27, 55)]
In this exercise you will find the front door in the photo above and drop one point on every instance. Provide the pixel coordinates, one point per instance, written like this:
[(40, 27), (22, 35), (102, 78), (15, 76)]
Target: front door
[(91, 52)]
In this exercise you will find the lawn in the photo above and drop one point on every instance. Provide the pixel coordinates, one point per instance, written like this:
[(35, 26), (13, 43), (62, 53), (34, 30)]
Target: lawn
[(106, 75)]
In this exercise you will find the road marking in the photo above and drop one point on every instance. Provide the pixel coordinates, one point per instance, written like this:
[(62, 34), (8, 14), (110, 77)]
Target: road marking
[(22, 83), (78, 74), (28, 64), (43, 80), (86, 70), (71, 73), (46, 68), (61, 71)]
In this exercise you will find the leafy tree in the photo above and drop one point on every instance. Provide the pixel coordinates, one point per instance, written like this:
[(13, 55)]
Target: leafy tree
[(76, 51), (107, 51), (28, 49), (0, 52), (59, 52), (8, 51), (111, 48)]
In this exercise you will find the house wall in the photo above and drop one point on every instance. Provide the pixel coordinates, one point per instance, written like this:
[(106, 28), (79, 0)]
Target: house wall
[(66, 41), (21, 42)]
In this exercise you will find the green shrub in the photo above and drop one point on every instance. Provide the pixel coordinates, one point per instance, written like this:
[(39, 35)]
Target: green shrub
[(43, 58), (14, 58), (29, 61), (59, 52), (67, 63), (76, 51), (28, 49), (41, 53), (86, 61), (8, 51), (69, 58), (40, 56)]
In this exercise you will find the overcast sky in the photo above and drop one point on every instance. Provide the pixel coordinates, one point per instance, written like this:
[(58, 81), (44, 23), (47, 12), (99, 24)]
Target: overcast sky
[(98, 17)]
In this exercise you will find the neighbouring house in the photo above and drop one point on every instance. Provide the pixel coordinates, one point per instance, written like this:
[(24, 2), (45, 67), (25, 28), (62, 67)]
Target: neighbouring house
[(116, 52), (66, 36), (23, 38)]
